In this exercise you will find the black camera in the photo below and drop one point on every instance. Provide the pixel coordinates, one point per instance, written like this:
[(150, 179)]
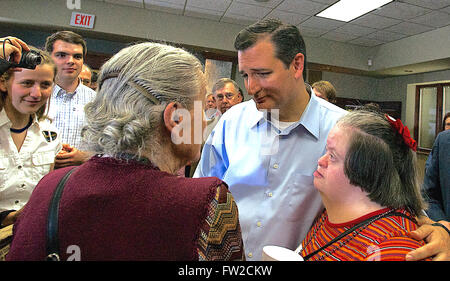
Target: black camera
[(29, 60)]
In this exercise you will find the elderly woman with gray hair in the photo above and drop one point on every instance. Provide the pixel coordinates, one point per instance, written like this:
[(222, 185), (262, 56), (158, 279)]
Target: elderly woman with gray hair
[(125, 203)]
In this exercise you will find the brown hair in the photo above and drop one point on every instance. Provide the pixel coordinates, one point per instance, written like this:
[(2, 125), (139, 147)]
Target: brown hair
[(286, 39), (45, 59), (380, 162), (66, 36), (326, 88)]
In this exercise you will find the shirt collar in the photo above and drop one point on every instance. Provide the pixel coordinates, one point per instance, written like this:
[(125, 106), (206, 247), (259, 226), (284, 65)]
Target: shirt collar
[(255, 116), (310, 118), (3, 117), (58, 91)]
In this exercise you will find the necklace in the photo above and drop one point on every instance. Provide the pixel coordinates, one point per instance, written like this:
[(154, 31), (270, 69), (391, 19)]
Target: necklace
[(18, 131)]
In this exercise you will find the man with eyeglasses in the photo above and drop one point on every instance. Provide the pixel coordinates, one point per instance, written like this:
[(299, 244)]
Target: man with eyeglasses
[(227, 94)]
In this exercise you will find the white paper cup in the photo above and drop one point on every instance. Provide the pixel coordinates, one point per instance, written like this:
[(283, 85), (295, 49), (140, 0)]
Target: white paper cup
[(277, 253)]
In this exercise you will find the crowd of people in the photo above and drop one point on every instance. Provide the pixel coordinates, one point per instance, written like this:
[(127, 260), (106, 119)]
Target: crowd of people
[(99, 165)]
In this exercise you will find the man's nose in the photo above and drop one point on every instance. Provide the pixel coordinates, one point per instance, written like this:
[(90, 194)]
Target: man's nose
[(70, 59), (252, 86)]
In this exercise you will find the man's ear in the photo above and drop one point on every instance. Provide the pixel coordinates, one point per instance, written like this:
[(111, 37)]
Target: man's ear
[(171, 117), (298, 64)]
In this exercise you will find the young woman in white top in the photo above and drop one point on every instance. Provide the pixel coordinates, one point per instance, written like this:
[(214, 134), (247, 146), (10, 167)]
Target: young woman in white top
[(28, 141)]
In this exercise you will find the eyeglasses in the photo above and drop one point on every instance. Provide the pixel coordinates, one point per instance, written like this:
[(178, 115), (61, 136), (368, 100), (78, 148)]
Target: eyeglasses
[(229, 96)]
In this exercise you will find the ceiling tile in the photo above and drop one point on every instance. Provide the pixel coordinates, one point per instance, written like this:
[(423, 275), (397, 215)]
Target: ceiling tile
[(385, 36), (312, 32), (243, 9), (302, 7), (203, 13), (329, 2), (337, 36), (287, 17), (435, 19), (168, 6), (215, 5), (431, 4), (238, 19), (399, 10), (362, 41), (409, 28), (393, 21), (323, 23), (355, 29), (268, 4), (179, 4), (375, 21), (132, 3)]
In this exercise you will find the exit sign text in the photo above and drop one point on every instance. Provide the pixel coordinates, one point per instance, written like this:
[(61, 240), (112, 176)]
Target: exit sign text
[(82, 20)]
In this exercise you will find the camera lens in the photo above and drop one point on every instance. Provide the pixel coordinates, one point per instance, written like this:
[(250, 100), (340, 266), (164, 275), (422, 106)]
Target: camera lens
[(30, 60)]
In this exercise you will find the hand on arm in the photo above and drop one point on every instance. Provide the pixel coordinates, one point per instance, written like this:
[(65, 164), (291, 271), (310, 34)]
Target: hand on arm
[(437, 239)]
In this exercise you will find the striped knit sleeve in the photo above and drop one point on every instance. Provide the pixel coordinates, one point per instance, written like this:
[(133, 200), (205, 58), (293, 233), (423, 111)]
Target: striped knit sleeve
[(392, 249), (220, 238)]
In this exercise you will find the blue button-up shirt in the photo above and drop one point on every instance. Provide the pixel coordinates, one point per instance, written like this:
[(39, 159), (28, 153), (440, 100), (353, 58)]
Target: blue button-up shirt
[(270, 171)]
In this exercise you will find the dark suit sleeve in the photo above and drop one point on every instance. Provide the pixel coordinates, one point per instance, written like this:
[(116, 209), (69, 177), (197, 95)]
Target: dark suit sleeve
[(432, 184)]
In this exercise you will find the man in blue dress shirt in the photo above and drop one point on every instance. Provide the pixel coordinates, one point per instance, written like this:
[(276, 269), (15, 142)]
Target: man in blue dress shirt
[(266, 149)]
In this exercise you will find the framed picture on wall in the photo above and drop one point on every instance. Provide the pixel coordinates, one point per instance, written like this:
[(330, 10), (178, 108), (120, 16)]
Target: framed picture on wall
[(215, 70)]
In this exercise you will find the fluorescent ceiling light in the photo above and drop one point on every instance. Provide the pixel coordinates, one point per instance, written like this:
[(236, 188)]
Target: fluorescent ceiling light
[(347, 10)]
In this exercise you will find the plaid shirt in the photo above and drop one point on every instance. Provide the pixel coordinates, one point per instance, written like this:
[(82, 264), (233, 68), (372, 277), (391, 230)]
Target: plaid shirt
[(67, 112)]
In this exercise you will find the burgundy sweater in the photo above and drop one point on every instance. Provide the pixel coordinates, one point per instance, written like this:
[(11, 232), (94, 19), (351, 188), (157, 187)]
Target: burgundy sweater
[(117, 210)]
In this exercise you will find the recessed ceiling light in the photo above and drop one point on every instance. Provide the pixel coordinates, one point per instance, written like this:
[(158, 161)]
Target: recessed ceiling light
[(347, 10)]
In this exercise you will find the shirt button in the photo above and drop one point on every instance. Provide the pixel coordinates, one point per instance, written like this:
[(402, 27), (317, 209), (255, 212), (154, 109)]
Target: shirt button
[(250, 255), (275, 166), (19, 167), (16, 202)]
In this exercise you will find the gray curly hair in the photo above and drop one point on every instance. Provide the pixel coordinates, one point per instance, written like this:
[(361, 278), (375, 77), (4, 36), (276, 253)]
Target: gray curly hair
[(135, 86)]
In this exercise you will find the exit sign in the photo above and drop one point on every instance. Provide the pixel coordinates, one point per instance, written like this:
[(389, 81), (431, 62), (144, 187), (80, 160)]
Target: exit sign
[(82, 20)]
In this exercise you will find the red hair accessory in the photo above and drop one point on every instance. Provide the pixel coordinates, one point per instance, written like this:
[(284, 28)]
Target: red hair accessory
[(403, 131)]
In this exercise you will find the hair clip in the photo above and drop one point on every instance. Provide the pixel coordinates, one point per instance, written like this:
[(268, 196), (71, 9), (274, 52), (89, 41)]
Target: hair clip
[(106, 77), (403, 131)]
